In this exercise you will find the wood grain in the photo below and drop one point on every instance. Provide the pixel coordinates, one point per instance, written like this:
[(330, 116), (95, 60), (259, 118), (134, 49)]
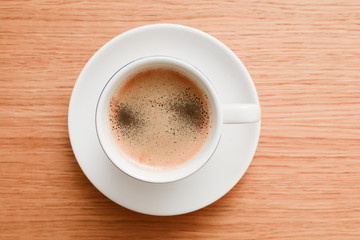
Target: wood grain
[(303, 183)]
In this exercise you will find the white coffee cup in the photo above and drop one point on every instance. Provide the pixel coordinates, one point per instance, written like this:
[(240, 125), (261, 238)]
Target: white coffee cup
[(220, 114)]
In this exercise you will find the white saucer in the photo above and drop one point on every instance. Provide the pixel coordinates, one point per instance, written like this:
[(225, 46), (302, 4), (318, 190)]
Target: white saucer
[(237, 145)]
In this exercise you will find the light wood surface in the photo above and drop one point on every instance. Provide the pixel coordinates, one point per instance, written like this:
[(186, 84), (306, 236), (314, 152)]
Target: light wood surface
[(304, 57)]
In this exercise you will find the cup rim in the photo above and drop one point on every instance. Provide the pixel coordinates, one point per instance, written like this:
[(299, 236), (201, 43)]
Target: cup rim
[(216, 109)]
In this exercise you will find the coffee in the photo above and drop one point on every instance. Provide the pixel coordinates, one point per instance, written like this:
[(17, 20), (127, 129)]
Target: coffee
[(160, 118)]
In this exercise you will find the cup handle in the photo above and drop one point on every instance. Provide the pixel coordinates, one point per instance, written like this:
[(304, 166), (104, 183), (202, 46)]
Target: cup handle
[(241, 113)]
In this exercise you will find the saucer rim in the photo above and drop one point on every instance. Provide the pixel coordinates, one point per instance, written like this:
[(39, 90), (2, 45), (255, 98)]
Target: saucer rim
[(150, 27)]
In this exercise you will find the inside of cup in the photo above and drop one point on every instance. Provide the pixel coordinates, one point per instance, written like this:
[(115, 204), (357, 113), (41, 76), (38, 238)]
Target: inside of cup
[(132, 166)]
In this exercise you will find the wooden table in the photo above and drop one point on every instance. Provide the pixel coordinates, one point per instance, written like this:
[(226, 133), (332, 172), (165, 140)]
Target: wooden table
[(303, 183)]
